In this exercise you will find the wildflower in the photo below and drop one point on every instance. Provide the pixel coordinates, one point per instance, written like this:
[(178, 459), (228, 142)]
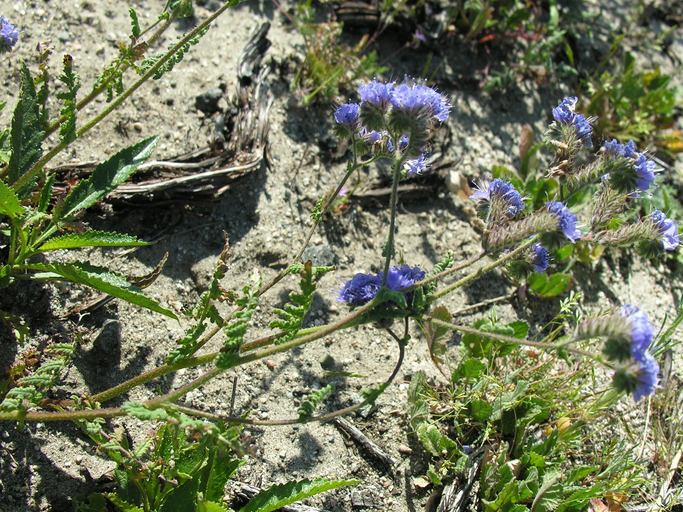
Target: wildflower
[(370, 136), (362, 288), (645, 172), (347, 114), (376, 93), (417, 99), (403, 142), (416, 166), (541, 258), (9, 35), (503, 191), (402, 277), (615, 148), (638, 378), (641, 331), (667, 230), (567, 220), (564, 113), (647, 377)]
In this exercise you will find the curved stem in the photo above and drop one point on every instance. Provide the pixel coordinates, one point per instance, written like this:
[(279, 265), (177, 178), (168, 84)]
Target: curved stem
[(482, 270), (322, 418), (517, 341)]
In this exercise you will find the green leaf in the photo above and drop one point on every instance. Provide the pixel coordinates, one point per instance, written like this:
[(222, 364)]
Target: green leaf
[(480, 410), (219, 472), (433, 440), (134, 23), (311, 403), (67, 131), (46, 194), (9, 202), (27, 130), (548, 286), (470, 368), (91, 239), (122, 505), (105, 178), (278, 496), (101, 279), (210, 506)]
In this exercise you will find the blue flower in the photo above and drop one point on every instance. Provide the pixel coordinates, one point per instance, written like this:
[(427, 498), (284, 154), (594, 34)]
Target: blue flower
[(347, 114), (502, 190), (416, 166), (9, 35), (417, 98), (403, 142), (376, 93), (564, 113), (567, 220), (362, 288), (667, 228), (541, 258), (615, 148), (402, 277), (645, 172), (647, 377), (641, 330)]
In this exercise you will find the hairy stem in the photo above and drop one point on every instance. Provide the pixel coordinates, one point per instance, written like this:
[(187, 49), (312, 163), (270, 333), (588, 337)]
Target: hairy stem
[(389, 247), (486, 268)]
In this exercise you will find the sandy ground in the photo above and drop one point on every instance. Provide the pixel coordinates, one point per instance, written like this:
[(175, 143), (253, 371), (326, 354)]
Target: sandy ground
[(266, 216)]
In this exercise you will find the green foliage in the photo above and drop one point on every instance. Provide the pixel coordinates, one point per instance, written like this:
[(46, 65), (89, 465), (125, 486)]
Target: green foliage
[(203, 312), (635, 104), (69, 78), (313, 400), (134, 23), (236, 328), (91, 238), (99, 278), (291, 316), (549, 285), (30, 389), (175, 58), (184, 466), (331, 67), (27, 132), (525, 413), (279, 496)]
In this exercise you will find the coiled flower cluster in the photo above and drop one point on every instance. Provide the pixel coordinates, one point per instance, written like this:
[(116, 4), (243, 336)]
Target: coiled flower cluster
[(9, 35)]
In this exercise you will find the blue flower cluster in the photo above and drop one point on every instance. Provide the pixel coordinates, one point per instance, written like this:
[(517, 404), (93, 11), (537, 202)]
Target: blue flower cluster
[(643, 167), (503, 191), (667, 228), (386, 110), (567, 220), (362, 288), (540, 258), (647, 369), (9, 35), (564, 113)]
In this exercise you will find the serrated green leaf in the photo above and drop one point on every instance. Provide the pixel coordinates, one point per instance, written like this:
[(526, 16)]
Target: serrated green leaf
[(91, 239), (311, 403), (104, 179), (101, 279), (123, 506), (9, 202), (46, 194), (278, 496), (219, 472), (433, 440), (27, 131), (210, 506), (67, 131)]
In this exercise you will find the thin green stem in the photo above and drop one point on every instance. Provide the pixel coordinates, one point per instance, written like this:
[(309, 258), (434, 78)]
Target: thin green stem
[(517, 341), (38, 166), (389, 247), (486, 268)]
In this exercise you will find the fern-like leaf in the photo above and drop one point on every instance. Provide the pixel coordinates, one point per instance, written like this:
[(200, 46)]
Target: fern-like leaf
[(291, 316), (236, 328), (311, 403), (134, 23), (27, 131), (67, 132)]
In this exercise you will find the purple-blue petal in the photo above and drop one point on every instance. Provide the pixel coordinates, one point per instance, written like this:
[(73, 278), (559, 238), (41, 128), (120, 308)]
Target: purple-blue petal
[(567, 220)]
